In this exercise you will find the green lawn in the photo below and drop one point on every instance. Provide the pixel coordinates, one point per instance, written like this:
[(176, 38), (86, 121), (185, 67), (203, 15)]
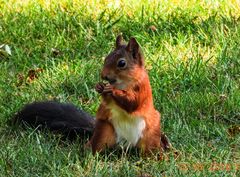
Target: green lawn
[(192, 52)]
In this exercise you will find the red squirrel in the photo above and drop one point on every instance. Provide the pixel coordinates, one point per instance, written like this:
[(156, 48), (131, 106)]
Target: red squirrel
[(126, 111)]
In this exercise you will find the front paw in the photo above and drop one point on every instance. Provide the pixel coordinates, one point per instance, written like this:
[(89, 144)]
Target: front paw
[(99, 87), (108, 89)]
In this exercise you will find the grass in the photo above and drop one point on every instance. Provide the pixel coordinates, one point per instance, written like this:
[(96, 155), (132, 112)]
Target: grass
[(193, 57)]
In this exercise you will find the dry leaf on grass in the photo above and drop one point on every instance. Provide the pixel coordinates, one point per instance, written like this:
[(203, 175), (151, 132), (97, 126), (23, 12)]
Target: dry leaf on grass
[(153, 28), (234, 130), (56, 52), (5, 51), (33, 74)]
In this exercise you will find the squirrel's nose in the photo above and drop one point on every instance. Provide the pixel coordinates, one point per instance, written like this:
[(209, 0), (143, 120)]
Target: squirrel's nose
[(109, 79)]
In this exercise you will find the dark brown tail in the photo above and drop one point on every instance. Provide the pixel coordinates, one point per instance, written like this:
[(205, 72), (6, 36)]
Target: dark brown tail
[(58, 117)]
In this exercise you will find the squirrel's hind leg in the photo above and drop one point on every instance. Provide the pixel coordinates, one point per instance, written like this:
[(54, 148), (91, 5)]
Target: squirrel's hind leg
[(103, 137)]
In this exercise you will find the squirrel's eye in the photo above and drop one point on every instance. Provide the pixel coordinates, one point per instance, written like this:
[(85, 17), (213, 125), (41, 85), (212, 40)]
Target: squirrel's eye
[(122, 63)]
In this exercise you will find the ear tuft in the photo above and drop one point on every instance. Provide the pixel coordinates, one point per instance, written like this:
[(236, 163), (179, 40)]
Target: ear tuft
[(119, 41), (134, 48), (132, 45)]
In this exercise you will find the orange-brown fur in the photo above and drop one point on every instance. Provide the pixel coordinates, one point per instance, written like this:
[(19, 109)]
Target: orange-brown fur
[(131, 93)]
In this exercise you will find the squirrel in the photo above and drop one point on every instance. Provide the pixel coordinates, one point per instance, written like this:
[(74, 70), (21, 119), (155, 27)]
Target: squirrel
[(126, 111)]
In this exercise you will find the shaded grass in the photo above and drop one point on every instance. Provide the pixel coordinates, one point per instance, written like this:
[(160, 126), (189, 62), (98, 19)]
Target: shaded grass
[(192, 55)]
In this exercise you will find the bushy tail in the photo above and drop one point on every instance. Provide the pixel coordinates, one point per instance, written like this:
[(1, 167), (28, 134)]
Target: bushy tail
[(58, 117)]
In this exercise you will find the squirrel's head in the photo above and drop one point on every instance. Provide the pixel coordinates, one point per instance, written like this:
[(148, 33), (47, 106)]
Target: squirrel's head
[(124, 65)]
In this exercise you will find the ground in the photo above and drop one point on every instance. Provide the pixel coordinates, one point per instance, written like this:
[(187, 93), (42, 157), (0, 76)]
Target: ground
[(192, 53)]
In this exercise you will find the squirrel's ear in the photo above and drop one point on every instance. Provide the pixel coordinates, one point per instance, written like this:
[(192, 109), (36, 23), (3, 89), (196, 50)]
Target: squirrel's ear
[(134, 48), (119, 41), (132, 45)]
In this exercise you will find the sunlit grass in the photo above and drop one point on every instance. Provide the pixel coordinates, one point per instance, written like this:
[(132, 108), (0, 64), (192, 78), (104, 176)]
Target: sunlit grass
[(193, 57)]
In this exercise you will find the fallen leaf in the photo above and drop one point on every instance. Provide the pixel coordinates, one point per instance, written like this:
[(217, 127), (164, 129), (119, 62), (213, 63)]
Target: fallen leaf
[(56, 52), (223, 97), (177, 154), (8, 50), (5, 51), (234, 130), (153, 28), (20, 80), (33, 74)]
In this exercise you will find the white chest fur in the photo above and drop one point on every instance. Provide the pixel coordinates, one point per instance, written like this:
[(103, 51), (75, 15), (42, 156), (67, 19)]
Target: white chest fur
[(126, 126)]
